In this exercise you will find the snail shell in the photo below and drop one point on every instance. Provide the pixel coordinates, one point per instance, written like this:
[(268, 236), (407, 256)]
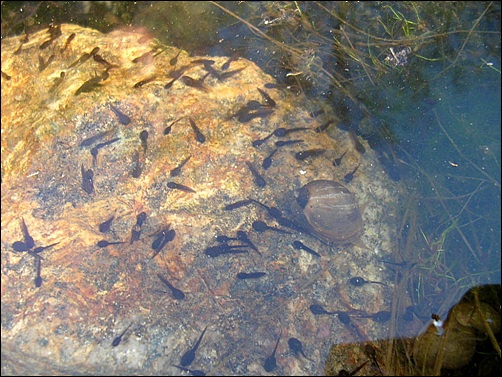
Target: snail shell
[(329, 211)]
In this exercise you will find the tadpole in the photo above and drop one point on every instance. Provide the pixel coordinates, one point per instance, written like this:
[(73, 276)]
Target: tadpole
[(189, 355), (261, 226), (359, 281), (270, 362), (118, 339)]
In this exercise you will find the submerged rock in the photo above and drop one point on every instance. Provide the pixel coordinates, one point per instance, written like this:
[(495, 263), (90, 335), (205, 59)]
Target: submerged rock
[(88, 134)]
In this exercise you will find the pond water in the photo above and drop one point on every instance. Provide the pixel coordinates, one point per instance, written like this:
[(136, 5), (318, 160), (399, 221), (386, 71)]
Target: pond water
[(420, 82)]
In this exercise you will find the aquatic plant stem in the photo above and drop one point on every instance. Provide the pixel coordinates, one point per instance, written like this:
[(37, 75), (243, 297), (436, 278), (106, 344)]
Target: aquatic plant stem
[(487, 327), (298, 52)]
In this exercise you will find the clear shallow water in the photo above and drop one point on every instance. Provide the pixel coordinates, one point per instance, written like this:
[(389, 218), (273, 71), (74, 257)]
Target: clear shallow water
[(442, 114)]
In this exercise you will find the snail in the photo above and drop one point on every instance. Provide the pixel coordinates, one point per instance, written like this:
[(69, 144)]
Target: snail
[(328, 211)]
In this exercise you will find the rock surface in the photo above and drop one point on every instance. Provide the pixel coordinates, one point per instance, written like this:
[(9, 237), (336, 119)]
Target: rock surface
[(89, 295)]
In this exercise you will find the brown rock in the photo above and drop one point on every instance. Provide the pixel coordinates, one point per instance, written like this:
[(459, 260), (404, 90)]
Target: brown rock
[(89, 294)]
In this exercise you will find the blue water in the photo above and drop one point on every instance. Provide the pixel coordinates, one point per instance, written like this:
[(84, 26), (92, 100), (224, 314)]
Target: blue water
[(453, 151)]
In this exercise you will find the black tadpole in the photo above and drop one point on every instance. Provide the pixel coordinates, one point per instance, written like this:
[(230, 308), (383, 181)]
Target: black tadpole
[(350, 176), (106, 225), (189, 355), (143, 136), (216, 251), (226, 75), (319, 310), (261, 226), (281, 131), (91, 140), (124, 119), (136, 229), (87, 180), (296, 347), (94, 154), (242, 236), (42, 248), (359, 147), (259, 142), (344, 318), (177, 170), (359, 281), (68, 41), (344, 372), (271, 363), (20, 246), (167, 130), (338, 160), (106, 143), (226, 65), (177, 293), (196, 83), (251, 105), (198, 135), (300, 246), (238, 204), (177, 186), (268, 100), (92, 84), (165, 235), (303, 155), (250, 275), (98, 58), (282, 143), (140, 218), (118, 339), (105, 243), (267, 162), (272, 211), (258, 179), (174, 60), (381, 316), (260, 113)]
